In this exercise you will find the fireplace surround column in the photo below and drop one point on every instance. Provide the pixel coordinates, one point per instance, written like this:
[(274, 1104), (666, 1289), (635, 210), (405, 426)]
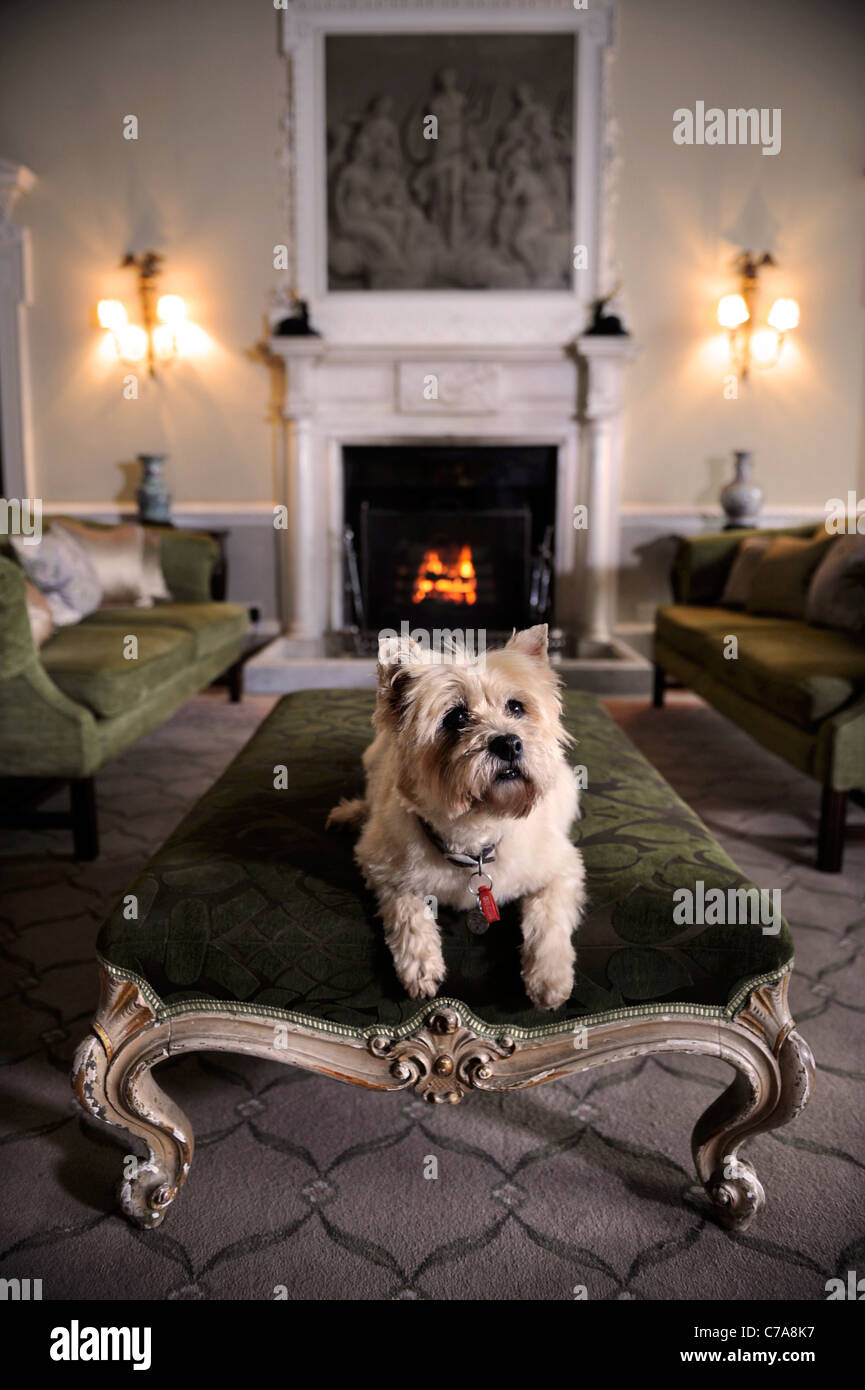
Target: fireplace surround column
[(603, 361), (303, 598)]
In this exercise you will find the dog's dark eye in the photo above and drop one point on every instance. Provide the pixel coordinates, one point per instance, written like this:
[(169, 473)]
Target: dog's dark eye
[(456, 719), (515, 708)]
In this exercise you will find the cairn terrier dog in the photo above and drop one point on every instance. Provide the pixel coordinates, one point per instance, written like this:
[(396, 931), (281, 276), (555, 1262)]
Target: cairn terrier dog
[(469, 801)]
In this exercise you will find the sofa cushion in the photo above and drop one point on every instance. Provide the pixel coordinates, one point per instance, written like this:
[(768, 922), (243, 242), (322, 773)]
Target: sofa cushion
[(682, 625), (836, 597), (125, 558), (39, 614), (211, 625), (87, 662), (800, 672), (703, 562), (187, 559), (737, 589), (63, 572), (780, 581)]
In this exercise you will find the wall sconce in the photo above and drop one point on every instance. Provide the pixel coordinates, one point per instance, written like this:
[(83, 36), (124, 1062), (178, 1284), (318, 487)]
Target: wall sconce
[(166, 332), (760, 346)]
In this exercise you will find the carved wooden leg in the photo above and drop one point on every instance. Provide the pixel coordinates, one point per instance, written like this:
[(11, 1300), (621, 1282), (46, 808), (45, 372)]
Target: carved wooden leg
[(111, 1080), (774, 1082)]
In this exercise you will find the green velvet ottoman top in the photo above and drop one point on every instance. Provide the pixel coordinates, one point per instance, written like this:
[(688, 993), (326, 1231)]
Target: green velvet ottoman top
[(250, 901)]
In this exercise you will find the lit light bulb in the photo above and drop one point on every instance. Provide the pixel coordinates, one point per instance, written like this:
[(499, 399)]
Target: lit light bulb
[(164, 340), (112, 314), (171, 308), (192, 341), (109, 349), (732, 311), (784, 315), (765, 346), (133, 342)]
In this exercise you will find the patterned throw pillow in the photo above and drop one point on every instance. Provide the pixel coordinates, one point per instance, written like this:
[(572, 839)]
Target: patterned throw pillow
[(836, 597), (154, 579), (123, 558), (39, 614), (62, 572)]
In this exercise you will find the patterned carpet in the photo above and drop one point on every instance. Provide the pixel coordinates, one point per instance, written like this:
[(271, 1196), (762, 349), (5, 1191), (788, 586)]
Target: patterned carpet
[(320, 1190)]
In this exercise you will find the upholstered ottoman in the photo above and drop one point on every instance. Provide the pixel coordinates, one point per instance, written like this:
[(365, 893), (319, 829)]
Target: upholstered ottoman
[(251, 931)]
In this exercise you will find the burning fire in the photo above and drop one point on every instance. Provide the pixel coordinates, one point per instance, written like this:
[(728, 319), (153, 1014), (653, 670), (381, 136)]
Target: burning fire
[(449, 580)]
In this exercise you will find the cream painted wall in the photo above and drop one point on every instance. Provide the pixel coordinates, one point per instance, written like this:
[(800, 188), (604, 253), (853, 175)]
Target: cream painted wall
[(685, 211), (201, 184)]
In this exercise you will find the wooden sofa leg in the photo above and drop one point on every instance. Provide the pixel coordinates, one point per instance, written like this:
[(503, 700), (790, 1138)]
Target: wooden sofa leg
[(85, 826), (833, 816), (658, 686), (235, 683)]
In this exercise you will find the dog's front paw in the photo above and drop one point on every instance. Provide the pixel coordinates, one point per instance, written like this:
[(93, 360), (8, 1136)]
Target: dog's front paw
[(422, 978), (548, 988)]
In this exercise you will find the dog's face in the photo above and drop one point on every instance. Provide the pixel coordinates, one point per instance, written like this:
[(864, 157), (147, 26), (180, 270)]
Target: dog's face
[(472, 735)]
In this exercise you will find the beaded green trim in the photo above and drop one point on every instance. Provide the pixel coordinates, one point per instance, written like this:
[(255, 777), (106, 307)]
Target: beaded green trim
[(165, 1012)]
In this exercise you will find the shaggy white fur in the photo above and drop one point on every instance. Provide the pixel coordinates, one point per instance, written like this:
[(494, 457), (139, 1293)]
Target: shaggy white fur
[(439, 756)]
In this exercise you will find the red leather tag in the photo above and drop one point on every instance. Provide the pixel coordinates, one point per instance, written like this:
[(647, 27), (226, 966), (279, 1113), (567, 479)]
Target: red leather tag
[(487, 904)]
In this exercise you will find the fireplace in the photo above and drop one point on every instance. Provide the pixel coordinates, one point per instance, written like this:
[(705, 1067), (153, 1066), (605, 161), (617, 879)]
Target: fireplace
[(501, 485), (468, 440), (448, 536)]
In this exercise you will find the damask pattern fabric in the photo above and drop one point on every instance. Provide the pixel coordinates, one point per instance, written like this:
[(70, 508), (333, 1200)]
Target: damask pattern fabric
[(252, 900)]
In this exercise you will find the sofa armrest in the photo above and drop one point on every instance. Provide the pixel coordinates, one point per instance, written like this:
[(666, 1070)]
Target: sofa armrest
[(840, 759), (17, 648), (42, 732), (188, 559), (702, 563)]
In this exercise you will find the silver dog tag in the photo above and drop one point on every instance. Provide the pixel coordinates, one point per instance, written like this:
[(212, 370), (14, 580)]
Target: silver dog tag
[(477, 922)]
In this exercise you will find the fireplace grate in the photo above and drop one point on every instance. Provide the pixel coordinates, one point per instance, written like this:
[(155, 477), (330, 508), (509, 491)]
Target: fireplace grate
[(445, 569)]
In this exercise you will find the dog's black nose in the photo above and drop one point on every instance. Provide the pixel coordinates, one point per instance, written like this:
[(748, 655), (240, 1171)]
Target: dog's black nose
[(507, 747)]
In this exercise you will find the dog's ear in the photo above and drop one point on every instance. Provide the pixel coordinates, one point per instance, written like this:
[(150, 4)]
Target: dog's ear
[(398, 658), (532, 641), (398, 650)]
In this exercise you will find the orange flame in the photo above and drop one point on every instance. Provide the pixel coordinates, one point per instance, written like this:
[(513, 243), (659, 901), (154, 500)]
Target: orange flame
[(449, 582)]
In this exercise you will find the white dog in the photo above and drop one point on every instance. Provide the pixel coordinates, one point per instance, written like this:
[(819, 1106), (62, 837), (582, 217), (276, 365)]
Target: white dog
[(470, 800)]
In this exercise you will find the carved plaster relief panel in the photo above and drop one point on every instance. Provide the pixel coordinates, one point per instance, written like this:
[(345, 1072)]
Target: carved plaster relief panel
[(496, 315)]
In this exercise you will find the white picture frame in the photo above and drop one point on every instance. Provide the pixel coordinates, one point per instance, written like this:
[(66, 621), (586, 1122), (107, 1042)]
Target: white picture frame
[(442, 316)]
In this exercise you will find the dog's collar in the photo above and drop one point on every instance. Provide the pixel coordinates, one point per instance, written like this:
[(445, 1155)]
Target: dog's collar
[(485, 855)]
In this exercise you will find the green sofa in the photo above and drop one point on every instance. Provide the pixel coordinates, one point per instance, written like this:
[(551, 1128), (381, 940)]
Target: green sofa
[(798, 689), (71, 705)]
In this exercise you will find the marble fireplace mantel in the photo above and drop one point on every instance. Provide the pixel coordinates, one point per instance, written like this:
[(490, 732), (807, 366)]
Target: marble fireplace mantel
[(336, 394), (508, 366)]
